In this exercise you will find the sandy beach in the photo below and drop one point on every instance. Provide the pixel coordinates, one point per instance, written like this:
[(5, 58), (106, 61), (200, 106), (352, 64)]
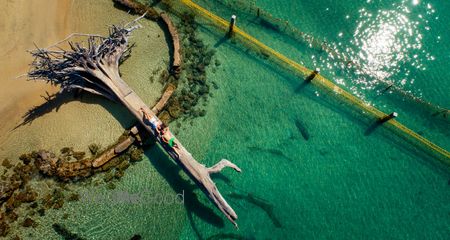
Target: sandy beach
[(76, 121), (25, 23), (71, 122)]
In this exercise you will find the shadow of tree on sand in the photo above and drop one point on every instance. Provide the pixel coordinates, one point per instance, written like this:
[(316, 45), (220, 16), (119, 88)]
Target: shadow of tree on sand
[(55, 101)]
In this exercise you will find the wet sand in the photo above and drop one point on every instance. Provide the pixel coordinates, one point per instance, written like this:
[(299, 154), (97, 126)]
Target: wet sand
[(70, 122)]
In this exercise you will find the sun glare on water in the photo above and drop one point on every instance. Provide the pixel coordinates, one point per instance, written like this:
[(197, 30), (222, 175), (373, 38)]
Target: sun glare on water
[(385, 46)]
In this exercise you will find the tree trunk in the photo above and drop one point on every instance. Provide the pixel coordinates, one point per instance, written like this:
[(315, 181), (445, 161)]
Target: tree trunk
[(95, 69)]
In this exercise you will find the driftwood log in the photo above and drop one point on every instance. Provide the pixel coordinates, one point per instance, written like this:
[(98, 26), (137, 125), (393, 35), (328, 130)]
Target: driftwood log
[(176, 61), (117, 149), (49, 164), (164, 99), (95, 68), (134, 132), (151, 13)]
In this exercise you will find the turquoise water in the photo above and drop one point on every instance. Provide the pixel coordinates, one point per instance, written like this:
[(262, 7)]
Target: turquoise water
[(339, 184), (309, 172), (373, 44)]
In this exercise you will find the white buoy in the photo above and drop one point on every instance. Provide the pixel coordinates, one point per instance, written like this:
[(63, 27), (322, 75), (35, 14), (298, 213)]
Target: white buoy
[(393, 115), (388, 117)]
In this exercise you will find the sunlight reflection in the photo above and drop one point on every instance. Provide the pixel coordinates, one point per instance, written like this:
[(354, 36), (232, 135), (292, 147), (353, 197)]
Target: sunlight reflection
[(385, 48)]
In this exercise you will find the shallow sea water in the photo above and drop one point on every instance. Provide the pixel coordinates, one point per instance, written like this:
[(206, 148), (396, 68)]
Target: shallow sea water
[(338, 184), (91, 119)]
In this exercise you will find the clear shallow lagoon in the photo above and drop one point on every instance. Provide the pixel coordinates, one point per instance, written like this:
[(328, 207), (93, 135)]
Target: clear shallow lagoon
[(338, 184)]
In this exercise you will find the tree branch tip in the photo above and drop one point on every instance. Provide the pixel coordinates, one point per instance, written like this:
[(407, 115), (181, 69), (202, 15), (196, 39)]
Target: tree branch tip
[(21, 76)]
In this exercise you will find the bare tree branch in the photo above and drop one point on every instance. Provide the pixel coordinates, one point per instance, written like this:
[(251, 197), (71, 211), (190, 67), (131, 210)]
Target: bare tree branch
[(95, 68)]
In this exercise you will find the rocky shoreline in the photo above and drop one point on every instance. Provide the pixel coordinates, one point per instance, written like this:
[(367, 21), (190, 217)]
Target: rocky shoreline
[(189, 53), (68, 167), (21, 203)]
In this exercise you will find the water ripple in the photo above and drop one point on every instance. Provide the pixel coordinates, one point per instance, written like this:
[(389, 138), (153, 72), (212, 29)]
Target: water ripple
[(385, 47)]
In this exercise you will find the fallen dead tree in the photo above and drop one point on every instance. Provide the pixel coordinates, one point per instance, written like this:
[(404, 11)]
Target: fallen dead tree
[(95, 68), (152, 14)]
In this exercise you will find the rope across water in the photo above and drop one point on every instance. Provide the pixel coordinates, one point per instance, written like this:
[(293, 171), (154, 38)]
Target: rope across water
[(323, 83)]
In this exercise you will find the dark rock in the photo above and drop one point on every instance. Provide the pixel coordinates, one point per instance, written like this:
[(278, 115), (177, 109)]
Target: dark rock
[(12, 216), (58, 199), (66, 150), (27, 196), (26, 158), (111, 186), (74, 197), (79, 155), (164, 116), (119, 174), (196, 113), (6, 163), (7, 189), (41, 212), (58, 193), (23, 172), (123, 166), (136, 154), (28, 222), (203, 90), (4, 229), (15, 238), (94, 148), (174, 111), (136, 237), (59, 203), (46, 162), (112, 163), (108, 176), (12, 204), (64, 233), (47, 201)]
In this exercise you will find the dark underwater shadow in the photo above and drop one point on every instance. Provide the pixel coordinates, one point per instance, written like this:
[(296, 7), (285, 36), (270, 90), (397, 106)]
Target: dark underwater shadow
[(251, 54), (154, 2), (376, 124), (222, 40), (221, 177), (301, 86), (168, 39), (261, 203), (171, 173)]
